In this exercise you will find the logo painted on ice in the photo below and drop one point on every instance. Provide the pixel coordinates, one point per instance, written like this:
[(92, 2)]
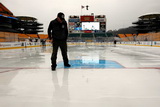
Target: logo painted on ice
[(91, 64)]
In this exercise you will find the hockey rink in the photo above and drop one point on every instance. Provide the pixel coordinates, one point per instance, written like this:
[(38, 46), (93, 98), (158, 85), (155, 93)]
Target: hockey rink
[(100, 76)]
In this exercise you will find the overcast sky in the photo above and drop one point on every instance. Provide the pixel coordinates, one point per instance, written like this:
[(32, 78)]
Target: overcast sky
[(119, 13)]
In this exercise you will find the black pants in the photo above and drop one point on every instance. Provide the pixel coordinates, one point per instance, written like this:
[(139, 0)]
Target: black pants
[(63, 46)]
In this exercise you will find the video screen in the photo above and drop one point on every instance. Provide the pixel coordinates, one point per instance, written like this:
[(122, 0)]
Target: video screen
[(90, 26), (78, 28)]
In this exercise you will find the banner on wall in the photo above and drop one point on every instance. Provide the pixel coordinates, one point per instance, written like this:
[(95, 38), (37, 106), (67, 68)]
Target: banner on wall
[(87, 18)]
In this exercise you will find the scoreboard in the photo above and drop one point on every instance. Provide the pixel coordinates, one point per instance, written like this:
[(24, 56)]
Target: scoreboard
[(87, 24)]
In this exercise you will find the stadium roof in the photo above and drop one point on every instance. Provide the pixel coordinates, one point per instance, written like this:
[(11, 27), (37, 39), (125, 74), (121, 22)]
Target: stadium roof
[(5, 12), (150, 15), (26, 18)]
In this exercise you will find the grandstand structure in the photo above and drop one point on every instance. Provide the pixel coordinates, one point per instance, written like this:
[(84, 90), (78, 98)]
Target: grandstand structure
[(7, 19), (28, 25), (90, 37), (151, 36), (18, 28), (147, 27), (148, 23)]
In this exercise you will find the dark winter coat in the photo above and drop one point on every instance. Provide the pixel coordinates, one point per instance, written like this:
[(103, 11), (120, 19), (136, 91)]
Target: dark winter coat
[(57, 30)]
